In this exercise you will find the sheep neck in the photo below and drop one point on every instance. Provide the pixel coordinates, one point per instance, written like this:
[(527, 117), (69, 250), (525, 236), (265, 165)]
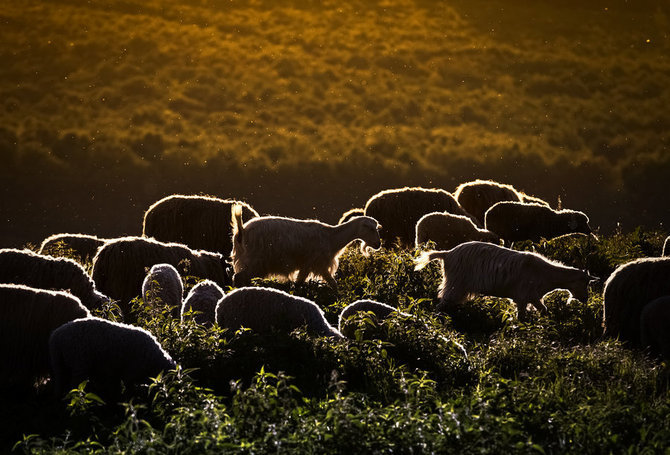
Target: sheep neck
[(343, 235)]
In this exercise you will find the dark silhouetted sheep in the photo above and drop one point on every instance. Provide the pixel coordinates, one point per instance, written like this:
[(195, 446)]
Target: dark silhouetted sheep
[(666, 247), (398, 211), (162, 287), (632, 286), (264, 310), (478, 268), (121, 264), (448, 230), (46, 272), (478, 196), (104, 353), (286, 247), (202, 300), (83, 246), (27, 318), (655, 327), (514, 221), (199, 222)]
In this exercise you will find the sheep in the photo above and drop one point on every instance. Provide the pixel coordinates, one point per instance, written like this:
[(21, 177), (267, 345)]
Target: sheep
[(285, 247), (654, 325), (474, 268), (46, 272), (533, 199), (27, 318), (120, 265), (82, 246), (479, 195), (200, 222), (628, 289), (105, 353), (398, 210), (514, 221), (349, 214), (666, 247), (202, 300), (264, 310), (380, 310), (162, 287), (448, 230)]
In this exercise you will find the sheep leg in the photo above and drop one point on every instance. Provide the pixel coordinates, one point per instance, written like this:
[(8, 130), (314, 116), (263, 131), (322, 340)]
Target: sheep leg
[(330, 280), (302, 276)]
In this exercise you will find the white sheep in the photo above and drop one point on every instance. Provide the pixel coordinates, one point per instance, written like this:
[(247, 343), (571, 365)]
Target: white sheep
[(628, 290), (200, 222), (398, 210), (655, 327), (162, 287), (479, 195), (448, 230), (105, 353), (475, 268), (514, 221), (287, 247), (202, 300), (120, 265), (27, 318), (46, 272), (264, 310)]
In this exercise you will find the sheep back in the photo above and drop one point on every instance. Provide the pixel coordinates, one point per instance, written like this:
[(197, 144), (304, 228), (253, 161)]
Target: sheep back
[(162, 287), (380, 310), (398, 211), (654, 323), (630, 287), (105, 353), (514, 221), (478, 196), (202, 299), (82, 246), (121, 264), (265, 310), (27, 318), (46, 272), (448, 230), (200, 222)]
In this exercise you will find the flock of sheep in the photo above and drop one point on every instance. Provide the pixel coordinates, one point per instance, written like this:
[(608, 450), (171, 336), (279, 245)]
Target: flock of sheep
[(46, 327)]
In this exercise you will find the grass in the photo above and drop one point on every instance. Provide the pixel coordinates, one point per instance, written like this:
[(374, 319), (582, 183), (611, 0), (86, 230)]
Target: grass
[(403, 385)]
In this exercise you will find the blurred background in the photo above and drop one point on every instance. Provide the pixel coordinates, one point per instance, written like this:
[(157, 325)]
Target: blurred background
[(307, 108)]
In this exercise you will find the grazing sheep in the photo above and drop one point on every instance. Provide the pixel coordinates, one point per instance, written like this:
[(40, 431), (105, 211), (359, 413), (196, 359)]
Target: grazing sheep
[(46, 272), (474, 268), (162, 287), (380, 310), (349, 214), (632, 286), (479, 195), (655, 327), (121, 265), (83, 246), (666, 247), (448, 230), (199, 222), (514, 221), (264, 310), (27, 318), (105, 353), (202, 300), (398, 211), (276, 246)]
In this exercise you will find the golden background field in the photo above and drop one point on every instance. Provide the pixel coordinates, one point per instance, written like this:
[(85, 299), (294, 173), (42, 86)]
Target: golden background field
[(306, 108)]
